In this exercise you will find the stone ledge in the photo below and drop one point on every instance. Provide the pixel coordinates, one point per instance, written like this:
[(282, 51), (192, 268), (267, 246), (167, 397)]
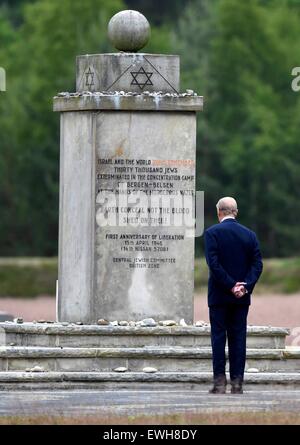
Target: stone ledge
[(139, 102), (72, 329), (139, 352), (268, 378)]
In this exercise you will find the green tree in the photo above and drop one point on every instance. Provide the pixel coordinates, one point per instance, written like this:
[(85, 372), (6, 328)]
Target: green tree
[(40, 62), (193, 40), (255, 107), (159, 12), (239, 55)]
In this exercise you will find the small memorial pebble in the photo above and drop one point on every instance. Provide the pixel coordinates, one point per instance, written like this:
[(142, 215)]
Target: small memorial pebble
[(102, 322), (168, 323), (147, 322), (37, 369), (149, 369), (121, 369)]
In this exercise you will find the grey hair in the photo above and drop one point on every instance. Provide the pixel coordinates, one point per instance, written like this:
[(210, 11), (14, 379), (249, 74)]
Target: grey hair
[(228, 206)]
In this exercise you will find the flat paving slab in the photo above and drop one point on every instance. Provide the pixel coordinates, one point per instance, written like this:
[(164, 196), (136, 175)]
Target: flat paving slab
[(142, 402)]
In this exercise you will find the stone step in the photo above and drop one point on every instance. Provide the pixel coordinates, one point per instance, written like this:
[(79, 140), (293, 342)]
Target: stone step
[(56, 334), (140, 380), (19, 358)]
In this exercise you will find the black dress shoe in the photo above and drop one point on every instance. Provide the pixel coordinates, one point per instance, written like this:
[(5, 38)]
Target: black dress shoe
[(237, 390), (236, 386), (219, 386), (218, 390)]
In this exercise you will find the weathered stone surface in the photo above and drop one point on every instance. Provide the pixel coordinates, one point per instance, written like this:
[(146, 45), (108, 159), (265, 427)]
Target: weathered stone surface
[(266, 378), (116, 102), (73, 335), (127, 72), (176, 351), (129, 30), (89, 329), (92, 281), (76, 226), (133, 289), (172, 350), (131, 340), (169, 359)]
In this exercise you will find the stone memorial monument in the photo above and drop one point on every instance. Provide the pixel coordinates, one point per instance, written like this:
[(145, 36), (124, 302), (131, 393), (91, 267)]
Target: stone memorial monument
[(127, 184), (126, 241)]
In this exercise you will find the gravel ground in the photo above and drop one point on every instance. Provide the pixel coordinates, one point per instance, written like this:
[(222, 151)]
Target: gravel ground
[(30, 308), (276, 310), (143, 402)]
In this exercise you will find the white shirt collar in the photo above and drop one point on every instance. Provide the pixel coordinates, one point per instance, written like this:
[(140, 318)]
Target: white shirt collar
[(227, 217)]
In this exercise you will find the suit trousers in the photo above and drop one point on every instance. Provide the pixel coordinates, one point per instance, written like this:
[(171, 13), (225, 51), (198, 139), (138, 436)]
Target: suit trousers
[(229, 320)]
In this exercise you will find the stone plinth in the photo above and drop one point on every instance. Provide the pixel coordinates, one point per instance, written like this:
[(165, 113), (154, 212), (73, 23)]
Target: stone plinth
[(127, 102), (128, 72), (91, 336), (55, 355), (123, 271)]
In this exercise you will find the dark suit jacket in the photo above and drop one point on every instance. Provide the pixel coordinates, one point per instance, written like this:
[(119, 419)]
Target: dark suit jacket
[(232, 254)]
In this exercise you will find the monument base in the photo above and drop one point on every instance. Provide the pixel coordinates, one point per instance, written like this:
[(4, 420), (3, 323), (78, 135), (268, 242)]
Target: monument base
[(35, 355)]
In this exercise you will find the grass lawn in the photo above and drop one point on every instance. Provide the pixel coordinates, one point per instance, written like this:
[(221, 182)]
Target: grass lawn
[(31, 277), (216, 418), (280, 276)]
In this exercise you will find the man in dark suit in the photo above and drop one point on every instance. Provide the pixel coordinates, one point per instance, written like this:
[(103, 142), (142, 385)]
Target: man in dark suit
[(235, 264)]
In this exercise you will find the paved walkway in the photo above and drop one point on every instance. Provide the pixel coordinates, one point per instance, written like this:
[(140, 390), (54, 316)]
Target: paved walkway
[(142, 402)]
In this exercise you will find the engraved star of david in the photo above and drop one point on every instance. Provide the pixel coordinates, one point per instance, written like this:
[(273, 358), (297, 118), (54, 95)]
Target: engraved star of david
[(89, 78), (141, 78)]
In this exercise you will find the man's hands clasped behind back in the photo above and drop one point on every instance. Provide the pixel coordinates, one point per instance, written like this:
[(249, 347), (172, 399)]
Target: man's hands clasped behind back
[(239, 289)]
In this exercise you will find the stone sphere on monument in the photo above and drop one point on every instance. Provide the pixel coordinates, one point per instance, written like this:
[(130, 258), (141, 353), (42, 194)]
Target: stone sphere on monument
[(129, 31)]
